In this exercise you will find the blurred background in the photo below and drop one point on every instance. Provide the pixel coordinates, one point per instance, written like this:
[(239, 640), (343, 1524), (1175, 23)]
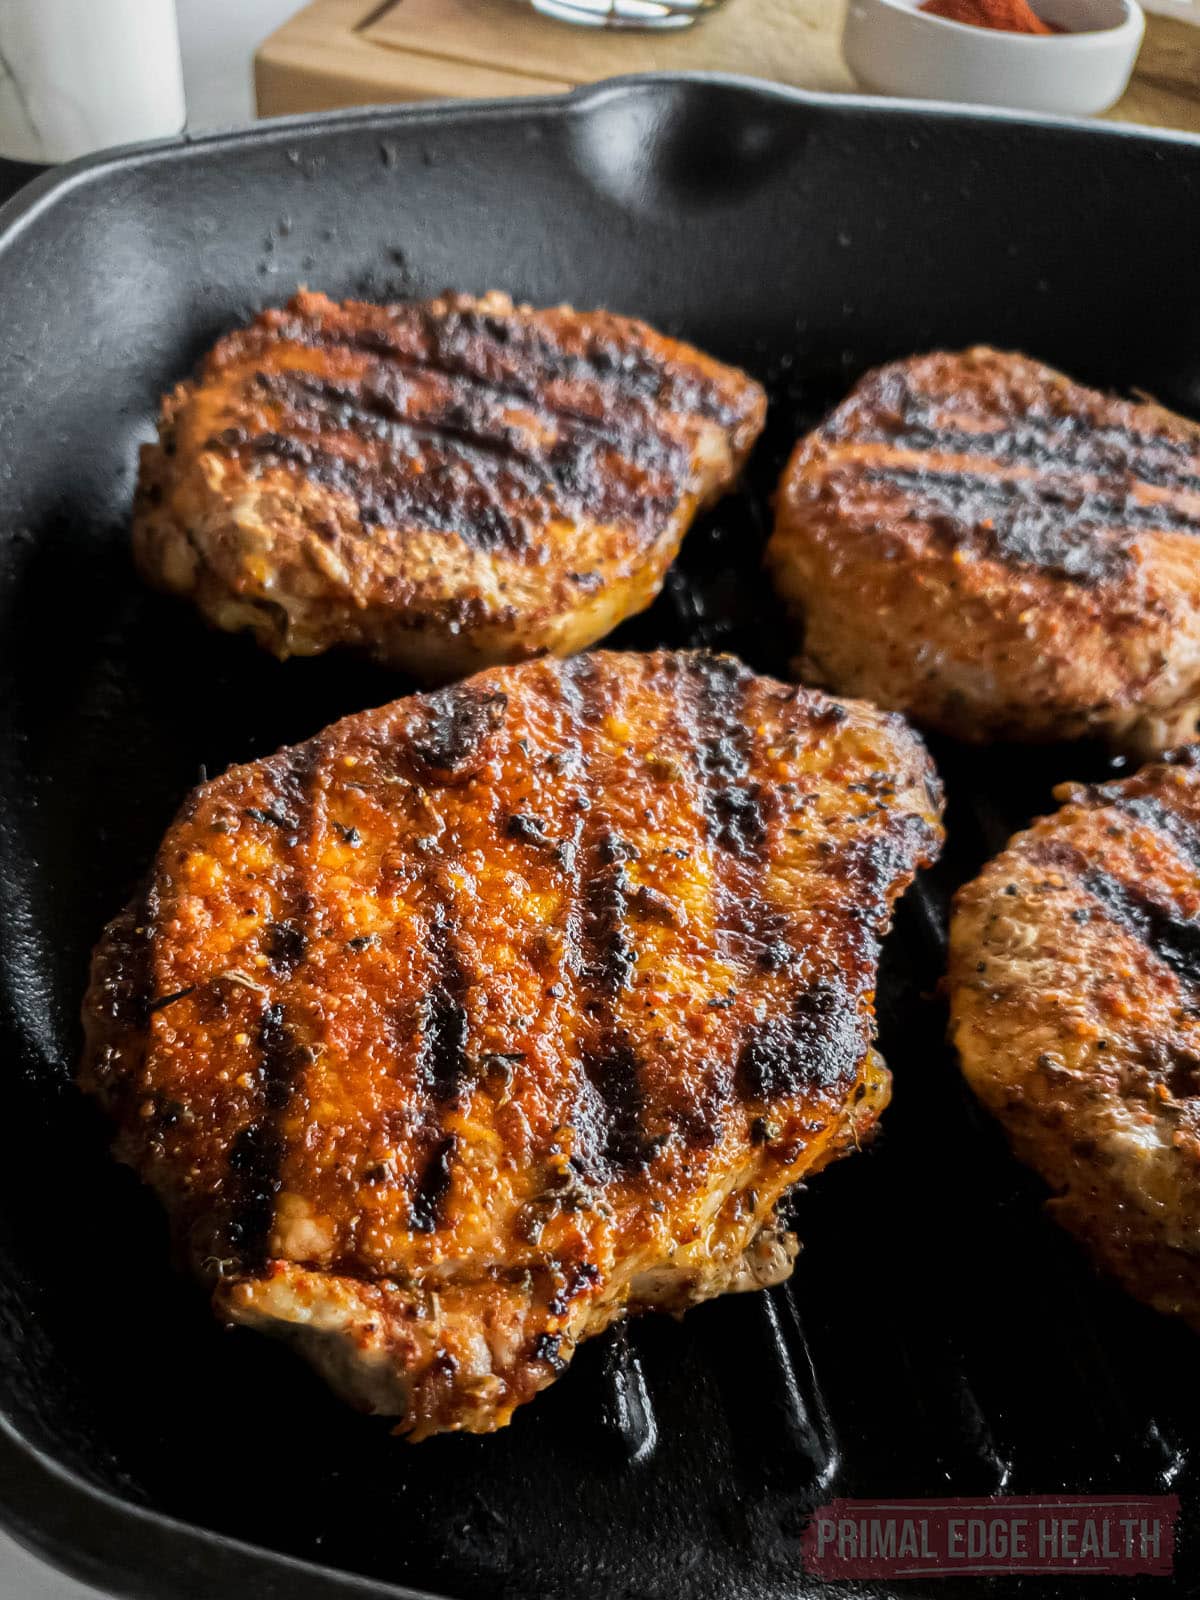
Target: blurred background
[(82, 74)]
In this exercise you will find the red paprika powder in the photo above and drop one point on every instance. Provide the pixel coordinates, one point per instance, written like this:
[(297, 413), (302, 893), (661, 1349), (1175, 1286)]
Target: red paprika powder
[(1010, 16)]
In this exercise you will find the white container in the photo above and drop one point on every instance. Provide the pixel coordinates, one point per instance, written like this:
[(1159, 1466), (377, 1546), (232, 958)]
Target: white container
[(893, 47), (79, 75)]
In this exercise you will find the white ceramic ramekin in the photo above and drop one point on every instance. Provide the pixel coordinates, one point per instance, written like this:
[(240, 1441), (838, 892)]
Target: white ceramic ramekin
[(893, 47)]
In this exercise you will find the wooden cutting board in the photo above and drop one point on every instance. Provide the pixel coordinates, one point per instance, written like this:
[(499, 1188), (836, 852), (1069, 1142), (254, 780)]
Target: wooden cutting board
[(363, 52)]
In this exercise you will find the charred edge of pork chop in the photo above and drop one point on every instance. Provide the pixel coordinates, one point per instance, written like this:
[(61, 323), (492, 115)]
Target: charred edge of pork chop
[(254, 1049), (1024, 546), (1075, 1009), (453, 1358), (460, 1356), (446, 485)]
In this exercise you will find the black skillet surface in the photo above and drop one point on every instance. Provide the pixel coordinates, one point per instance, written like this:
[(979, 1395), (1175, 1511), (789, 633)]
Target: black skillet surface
[(940, 1337)]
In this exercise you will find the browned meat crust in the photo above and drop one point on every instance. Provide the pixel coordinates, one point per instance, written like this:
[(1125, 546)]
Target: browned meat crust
[(486, 1017), (1074, 963), (446, 484), (1000, 552)]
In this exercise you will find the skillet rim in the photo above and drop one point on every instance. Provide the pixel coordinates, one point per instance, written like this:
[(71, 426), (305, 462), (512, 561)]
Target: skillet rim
[(52, 185)]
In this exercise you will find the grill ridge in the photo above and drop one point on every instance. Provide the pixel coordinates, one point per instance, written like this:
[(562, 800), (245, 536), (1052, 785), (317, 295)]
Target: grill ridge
[(627, 1409), (811, 1431)]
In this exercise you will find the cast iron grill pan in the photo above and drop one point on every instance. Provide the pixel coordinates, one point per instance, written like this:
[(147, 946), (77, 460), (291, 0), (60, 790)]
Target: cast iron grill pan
[(940, 1336)]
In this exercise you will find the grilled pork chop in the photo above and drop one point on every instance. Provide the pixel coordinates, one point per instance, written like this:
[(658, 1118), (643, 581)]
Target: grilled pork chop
[(487, 1017), (447, 484), (1022, 550), (1074, 974)]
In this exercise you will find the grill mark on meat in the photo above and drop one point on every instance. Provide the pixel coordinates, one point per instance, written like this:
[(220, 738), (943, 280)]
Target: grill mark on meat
[(515, 359), (972, 494), (495, 492), (598, 954), (614, 1073), (1165, 932), (427, 1205), (257, 1153), (286, 947), (529, 395), (445, 1071), (1060, 527), (373, 407), (737, 813), (612, 1141), (451, 739), (818, 1042), (1069, 445), (1173, 938), (606, 907), (443, 498), (713, 721), (708, 703), (483, 477), (735, 809), (445, 1067), (605, 361), (819, 1039), (1156, 814), (1060, 443)]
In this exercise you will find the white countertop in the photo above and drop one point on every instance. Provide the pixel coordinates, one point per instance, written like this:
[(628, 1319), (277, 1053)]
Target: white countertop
[(217, 38)]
